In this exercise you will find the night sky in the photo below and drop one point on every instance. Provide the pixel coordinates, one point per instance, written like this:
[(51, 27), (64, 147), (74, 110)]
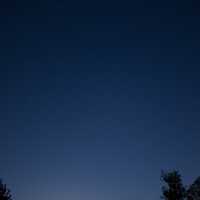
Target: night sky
[(97, 97)]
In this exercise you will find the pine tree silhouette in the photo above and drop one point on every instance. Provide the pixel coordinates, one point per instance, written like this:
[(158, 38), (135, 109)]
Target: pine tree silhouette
[(173, 188)]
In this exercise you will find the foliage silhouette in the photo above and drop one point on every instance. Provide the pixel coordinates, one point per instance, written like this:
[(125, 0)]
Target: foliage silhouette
[(4, 192), (173, 188), (193, 192)]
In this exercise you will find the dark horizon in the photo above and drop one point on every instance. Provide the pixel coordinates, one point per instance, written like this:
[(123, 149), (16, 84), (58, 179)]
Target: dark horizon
[(98, 97)]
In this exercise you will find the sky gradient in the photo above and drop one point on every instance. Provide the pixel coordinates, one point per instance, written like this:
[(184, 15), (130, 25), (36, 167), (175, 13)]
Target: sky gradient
[(97, 98)]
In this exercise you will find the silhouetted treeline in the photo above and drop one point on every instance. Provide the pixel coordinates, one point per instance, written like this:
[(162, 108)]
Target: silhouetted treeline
[(173, 188)]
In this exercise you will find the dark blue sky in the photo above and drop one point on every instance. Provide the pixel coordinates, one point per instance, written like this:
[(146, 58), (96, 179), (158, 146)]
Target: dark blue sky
[(98, 97)]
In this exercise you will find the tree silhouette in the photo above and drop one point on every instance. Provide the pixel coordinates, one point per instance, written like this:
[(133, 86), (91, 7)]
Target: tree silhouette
[(193, 193), (4, 192), (173, 188)]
